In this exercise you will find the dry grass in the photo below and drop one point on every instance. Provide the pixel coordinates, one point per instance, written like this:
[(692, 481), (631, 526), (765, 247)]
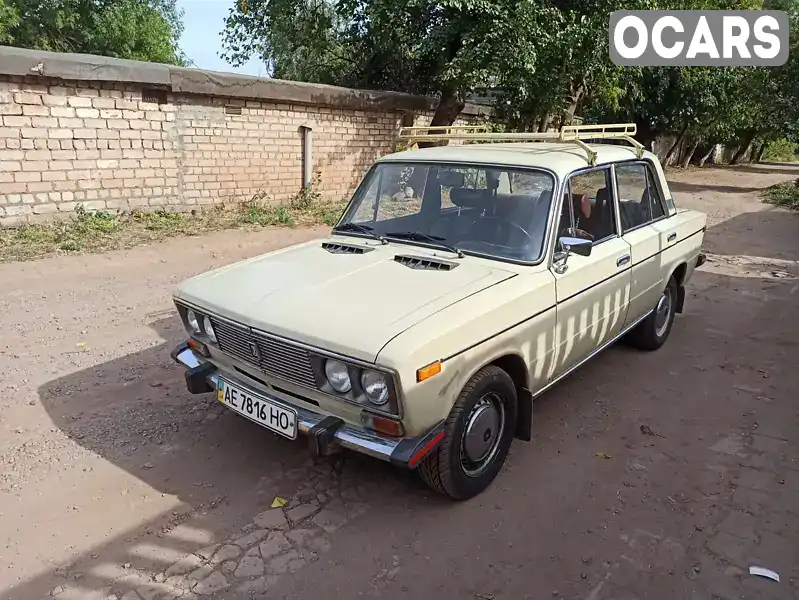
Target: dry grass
[(785, 194), (102, 231)]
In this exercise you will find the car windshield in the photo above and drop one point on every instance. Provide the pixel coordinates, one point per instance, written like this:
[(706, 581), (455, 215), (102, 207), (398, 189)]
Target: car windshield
[(479, 209)]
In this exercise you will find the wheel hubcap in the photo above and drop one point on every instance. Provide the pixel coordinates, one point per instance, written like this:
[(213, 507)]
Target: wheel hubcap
[(482, 433), (663, 312)]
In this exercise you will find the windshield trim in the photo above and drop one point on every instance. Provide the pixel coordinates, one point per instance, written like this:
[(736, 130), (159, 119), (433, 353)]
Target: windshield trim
[(545, 247)]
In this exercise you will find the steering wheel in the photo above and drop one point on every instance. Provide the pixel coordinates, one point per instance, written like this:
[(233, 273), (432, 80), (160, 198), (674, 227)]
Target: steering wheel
[(503, 220)]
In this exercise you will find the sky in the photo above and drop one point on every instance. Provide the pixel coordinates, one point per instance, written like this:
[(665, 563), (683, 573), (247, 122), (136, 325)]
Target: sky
[(203, 21)]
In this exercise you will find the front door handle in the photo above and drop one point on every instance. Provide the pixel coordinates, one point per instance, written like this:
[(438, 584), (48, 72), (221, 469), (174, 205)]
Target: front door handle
[(672, 237), (623, 260)]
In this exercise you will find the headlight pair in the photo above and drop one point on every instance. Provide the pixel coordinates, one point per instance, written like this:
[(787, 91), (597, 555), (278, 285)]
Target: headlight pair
[(375, 385), (200, 325)]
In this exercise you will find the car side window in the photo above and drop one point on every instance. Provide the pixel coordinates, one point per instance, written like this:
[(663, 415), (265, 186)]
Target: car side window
[(589, 199), (639, 197), (655, 197)]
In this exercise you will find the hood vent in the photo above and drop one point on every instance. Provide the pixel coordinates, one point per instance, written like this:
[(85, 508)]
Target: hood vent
[(423, 263), (338, 248)]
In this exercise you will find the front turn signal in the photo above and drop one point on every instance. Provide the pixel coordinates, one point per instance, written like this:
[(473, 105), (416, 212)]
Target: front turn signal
[(199, 347), (428, 371)]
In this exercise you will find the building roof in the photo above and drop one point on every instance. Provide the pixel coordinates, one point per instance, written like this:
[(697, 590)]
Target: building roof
[(562, 158)]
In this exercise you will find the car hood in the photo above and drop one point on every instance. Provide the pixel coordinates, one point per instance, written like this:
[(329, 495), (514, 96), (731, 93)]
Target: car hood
[(352, 304)]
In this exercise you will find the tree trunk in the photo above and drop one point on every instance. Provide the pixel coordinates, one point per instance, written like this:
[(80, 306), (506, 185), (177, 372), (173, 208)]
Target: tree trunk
[(747, 139), (543, 125), (645, 135), (574, 101), (760, 152), (448, 109), (689, 154), (675, 146), (708, 154)]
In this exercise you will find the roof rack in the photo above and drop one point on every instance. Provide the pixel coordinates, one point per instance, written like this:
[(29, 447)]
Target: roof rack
[(576, 134)]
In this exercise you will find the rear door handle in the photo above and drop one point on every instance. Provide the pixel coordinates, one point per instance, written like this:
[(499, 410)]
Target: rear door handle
[(623, 260), (672, 237)]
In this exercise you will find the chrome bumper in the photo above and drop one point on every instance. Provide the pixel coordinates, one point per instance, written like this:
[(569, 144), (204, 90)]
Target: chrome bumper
[(310, 423)]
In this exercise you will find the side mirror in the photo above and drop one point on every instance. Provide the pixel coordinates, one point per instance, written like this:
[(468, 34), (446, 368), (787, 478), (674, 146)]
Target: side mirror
[(569, 244), (578, 245)]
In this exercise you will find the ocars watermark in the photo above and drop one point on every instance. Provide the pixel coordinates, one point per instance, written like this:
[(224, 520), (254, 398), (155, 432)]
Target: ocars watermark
[(713, 38)]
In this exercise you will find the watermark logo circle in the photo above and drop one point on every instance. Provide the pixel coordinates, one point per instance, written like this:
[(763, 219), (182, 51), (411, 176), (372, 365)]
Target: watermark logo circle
[(711, 38)]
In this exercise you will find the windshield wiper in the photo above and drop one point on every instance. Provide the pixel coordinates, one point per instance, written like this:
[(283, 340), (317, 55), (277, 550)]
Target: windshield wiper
[(357, 227), (423, 237)]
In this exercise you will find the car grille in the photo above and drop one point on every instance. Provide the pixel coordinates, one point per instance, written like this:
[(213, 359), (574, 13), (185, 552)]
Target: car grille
[(274, 356)]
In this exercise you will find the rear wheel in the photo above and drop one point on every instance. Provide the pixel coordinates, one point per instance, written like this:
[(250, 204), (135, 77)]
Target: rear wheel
[(478, 435), (652, 332)]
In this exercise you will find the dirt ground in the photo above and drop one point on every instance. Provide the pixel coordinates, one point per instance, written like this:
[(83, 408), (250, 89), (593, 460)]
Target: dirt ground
[(116, 483)]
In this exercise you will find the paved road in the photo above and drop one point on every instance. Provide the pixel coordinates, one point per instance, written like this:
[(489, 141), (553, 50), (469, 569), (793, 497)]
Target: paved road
[(114, 482)]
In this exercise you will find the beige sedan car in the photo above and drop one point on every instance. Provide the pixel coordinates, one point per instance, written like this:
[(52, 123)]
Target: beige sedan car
[(460, 283)]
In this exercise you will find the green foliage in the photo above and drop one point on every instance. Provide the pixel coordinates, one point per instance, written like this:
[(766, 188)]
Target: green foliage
[(783, 194), (9, 19), (548, 58), (781, 150), (257, 212), (134, 29), (422, 47), (160, 220), (308, 196)]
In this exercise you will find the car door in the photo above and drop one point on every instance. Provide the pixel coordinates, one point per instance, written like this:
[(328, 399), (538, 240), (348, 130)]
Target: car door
[(642, 213), (592, 291)]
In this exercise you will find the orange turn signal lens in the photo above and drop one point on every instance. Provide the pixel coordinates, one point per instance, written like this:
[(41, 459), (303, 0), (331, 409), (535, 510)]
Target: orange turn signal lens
[(199, 347), (428, 371), (383, 424)]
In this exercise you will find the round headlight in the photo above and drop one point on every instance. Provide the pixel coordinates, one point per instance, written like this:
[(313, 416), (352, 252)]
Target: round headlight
[(209, 329), (194, 324), (375, 386), (338, 376)]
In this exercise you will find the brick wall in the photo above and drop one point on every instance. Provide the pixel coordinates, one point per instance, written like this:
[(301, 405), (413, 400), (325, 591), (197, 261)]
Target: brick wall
[(102, 145)]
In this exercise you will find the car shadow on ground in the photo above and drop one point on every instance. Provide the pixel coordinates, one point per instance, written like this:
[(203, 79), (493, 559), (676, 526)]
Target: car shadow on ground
[(134, 413), (765, 168), (776, 235), (689, 188)]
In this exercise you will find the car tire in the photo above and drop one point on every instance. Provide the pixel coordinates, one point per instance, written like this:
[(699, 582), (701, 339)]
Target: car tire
[(652, 332), (477, 437)]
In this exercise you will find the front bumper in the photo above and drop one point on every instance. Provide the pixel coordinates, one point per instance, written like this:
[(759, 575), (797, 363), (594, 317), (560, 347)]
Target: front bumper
[(325, 433)]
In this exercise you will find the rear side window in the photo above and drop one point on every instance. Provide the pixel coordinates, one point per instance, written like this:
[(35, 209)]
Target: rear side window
[(588, 204), (640, 201)]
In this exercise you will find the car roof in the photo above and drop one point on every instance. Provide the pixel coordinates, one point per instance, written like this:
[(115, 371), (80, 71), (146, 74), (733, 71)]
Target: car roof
[(561, 158)]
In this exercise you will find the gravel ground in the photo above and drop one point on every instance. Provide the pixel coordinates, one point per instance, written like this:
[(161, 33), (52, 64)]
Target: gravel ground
[(116, 483)]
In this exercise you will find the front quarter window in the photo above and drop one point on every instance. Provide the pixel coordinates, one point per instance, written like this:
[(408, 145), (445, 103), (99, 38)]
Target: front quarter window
[(498, 212)]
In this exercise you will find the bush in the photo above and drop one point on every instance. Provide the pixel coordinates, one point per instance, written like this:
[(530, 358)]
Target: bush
[(780, 151), (783, 194)]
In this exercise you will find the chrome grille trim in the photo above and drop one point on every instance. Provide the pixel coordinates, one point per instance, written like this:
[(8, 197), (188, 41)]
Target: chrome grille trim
[(276, 357)]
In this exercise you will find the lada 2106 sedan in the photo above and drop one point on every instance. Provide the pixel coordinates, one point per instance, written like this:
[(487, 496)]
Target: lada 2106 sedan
[(461, 282)]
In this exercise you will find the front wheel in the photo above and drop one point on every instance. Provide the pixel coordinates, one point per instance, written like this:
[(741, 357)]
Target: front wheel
[(652, 332), (478, 435)]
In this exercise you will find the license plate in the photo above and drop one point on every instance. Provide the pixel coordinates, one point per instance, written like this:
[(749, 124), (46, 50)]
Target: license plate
[(273, 416)]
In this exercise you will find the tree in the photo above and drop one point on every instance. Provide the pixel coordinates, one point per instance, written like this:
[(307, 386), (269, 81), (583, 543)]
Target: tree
[(135, 29), (547, 58), (9, 19), (420, 46)]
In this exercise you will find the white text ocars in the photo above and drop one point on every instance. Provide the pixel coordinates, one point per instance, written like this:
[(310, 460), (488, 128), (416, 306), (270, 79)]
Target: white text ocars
[(460, 283)]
